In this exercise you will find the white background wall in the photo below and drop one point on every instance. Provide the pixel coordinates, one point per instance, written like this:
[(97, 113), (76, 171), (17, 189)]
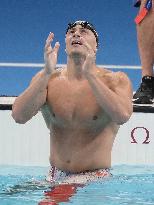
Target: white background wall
[(29, 144), (26, 144), (126, 152)]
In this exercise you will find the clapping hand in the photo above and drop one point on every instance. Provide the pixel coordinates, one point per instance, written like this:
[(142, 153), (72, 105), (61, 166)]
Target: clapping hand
[(50, 54)]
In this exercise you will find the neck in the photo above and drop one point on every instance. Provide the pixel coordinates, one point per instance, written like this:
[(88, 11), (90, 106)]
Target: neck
[(74, 67)]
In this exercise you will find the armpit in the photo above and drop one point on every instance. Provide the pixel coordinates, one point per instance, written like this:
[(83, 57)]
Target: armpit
[(46, 114)]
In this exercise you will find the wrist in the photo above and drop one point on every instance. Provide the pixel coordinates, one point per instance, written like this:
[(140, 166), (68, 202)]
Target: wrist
[(46, 73), (90, 74)]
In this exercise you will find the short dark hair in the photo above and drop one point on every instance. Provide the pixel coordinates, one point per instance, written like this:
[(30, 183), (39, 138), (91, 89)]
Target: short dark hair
[(84, 24)]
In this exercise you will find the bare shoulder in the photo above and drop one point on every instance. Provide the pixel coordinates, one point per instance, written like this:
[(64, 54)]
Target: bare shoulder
[(119, 77), (59, 72), (101, 71), (122, 77), (116, 81)]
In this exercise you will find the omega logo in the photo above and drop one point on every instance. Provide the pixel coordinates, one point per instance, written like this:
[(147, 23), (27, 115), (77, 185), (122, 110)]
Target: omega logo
[(134, 137)]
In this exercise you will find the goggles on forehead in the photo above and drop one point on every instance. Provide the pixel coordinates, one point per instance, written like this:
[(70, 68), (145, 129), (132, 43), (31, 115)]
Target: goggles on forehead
[(84, 24)]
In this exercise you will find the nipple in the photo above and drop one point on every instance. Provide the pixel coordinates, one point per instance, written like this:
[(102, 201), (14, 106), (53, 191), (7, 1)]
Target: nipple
[(95, 117)]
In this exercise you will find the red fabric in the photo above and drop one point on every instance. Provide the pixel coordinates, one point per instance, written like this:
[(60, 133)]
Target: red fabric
[(141, 15), (102, 174), (60, 193)]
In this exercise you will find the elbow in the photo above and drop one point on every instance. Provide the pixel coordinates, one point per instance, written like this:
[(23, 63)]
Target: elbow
[(18, 119), (124, 117)]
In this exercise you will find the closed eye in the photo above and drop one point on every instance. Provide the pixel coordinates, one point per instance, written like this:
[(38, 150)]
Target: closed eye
[(83, 30), (71, 31)]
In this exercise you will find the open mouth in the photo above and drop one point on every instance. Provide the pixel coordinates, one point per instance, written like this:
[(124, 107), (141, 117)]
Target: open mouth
[(76, 42)]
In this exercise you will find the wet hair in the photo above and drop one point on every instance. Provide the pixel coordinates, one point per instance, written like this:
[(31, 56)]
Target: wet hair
[(84, 24)]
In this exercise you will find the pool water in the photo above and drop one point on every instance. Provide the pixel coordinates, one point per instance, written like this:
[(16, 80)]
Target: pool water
[(132, 185)]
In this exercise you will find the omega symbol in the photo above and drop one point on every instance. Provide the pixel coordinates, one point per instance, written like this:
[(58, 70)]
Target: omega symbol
[(146, 131)]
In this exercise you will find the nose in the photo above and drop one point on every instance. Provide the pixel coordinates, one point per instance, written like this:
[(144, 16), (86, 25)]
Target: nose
[(77, 33)]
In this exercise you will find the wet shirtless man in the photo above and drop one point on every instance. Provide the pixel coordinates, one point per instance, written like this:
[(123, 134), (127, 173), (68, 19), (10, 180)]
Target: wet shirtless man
[(83, 105)]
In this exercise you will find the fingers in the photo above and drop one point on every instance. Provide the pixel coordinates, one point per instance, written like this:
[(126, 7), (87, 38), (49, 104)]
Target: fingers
[(84, 42), (54, 50), (91, 57), (56, 47), (49, 41), (89, 48), (48, 49)]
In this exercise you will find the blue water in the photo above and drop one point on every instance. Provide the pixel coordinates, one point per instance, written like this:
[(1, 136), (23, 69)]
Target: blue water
[(132, 185)]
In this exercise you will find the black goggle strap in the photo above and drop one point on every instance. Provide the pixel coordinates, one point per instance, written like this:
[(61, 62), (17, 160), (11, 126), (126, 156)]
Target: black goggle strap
[(84, 24)]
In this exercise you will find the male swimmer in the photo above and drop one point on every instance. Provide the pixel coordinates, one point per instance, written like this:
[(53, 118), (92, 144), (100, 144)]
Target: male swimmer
[(83, 106)]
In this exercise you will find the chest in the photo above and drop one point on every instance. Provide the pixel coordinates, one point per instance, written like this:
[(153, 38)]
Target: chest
[(72, 101)]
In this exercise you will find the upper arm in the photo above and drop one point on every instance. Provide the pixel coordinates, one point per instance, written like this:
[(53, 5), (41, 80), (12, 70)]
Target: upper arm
[(124, 86), (118, 82), (29, 102), (125, 92), (34, 79), (44, 109)]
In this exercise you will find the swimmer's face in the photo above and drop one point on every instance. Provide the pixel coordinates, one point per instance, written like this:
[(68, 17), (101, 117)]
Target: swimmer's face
[(76, 38)]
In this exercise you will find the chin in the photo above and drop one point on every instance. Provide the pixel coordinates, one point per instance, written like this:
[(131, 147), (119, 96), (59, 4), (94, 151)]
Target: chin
[(77, 53)]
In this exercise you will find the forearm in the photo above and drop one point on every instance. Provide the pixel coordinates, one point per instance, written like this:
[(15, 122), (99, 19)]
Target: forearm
[(30, 101), (113, 104)]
